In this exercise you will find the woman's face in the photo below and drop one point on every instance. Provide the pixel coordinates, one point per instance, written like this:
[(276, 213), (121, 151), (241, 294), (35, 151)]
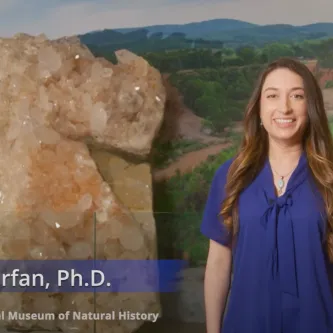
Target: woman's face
[(283, 108)]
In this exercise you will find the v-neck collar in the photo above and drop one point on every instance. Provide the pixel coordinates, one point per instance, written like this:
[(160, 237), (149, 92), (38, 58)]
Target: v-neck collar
[(297, 178)]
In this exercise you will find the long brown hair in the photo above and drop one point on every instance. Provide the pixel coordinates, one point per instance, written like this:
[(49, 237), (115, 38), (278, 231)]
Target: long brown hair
[(318, 146)]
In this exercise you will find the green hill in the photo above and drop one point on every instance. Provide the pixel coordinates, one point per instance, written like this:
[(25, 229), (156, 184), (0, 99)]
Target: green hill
[(195, 29), (207, 34)]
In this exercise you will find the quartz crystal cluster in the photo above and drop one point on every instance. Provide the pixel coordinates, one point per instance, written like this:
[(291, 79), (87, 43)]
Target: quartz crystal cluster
[(66, 119)]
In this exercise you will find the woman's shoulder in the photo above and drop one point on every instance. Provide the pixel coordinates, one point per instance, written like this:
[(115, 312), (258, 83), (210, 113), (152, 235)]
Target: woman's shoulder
[(224, 167), (222, 171)]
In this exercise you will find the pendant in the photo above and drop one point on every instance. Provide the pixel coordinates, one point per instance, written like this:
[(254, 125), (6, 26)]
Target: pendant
[(280, 184)]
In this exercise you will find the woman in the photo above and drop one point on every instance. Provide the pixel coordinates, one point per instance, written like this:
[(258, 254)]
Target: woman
[(269, 214)]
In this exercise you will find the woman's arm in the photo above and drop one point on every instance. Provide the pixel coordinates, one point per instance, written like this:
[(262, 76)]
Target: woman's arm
[(216, 285)]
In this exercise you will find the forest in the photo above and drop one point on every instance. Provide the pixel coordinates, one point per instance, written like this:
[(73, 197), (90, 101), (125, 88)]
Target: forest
[(216, 84)]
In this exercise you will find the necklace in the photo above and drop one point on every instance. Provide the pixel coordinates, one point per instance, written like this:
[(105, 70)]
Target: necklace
[(281, 182)]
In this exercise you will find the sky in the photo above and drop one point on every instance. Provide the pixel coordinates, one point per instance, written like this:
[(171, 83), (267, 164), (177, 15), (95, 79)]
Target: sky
[(58, 18)]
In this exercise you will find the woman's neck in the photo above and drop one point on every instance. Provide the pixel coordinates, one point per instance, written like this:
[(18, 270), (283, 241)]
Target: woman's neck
[(284, 158)]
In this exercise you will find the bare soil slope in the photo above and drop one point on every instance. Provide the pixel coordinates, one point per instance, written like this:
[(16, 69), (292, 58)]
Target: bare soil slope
[(328, 100), (180, 122)]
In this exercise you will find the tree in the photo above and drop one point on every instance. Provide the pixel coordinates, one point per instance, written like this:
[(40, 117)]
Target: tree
[(247, 54), (192, 89), (277, 50), (206, 106)]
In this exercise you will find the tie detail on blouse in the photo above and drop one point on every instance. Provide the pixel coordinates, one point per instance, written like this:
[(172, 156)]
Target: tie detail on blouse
[(281, 259)]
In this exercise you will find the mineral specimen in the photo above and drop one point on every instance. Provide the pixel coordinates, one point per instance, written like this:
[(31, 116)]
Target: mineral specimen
[(60, 107)]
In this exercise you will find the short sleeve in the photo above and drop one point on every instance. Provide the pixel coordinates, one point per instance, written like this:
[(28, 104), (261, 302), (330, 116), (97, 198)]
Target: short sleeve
[(330, 274), (212, 222)]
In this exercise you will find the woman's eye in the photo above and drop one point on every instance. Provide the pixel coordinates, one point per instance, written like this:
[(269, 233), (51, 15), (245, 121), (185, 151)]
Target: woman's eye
[(299, 96), (272, 96)]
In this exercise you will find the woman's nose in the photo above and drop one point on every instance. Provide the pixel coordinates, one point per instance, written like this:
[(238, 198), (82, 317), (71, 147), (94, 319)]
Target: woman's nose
[(284, 105)]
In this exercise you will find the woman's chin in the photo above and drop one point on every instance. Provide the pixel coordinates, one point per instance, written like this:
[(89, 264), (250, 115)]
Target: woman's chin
[(287, 135)]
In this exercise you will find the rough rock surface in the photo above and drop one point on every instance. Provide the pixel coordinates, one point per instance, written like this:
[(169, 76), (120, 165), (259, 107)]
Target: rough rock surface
[(58, 105)]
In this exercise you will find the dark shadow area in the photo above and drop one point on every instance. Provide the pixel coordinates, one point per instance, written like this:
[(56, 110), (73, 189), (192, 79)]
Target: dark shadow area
[(169, 326), (166, 233), (163, 205)]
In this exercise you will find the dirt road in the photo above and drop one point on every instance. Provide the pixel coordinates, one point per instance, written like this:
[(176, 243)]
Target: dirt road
[(188, 161)]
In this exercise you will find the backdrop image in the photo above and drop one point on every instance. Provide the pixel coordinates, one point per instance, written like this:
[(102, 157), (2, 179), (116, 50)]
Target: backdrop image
[(209, 69), (209, 54)]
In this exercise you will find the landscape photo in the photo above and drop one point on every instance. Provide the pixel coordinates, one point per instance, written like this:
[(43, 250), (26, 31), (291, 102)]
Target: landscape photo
[(209, 69), (210, 54)]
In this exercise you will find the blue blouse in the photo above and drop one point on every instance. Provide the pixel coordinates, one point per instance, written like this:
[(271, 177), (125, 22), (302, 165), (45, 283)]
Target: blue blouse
[(281, 274)]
